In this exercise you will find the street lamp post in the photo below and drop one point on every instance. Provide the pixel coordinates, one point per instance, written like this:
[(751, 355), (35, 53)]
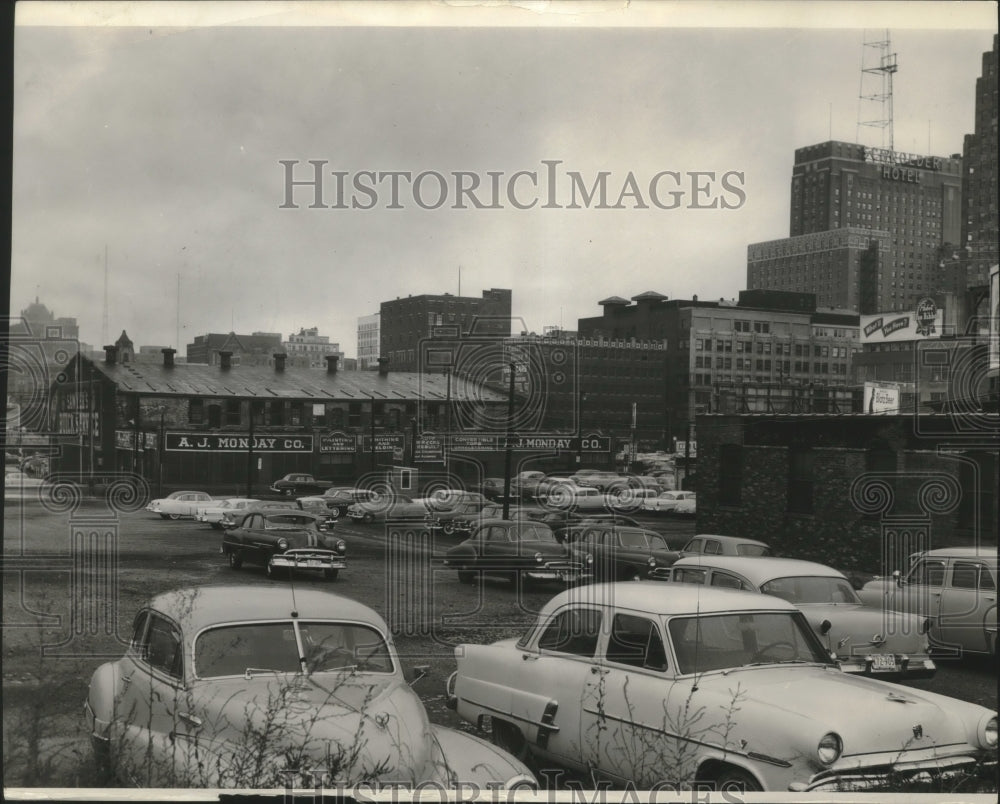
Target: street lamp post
[(509, 439)]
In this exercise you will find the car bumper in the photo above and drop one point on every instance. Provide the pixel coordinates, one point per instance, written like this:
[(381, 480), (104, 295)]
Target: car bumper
[(568, 573), (907, 667), (308, 559), (937, 769)]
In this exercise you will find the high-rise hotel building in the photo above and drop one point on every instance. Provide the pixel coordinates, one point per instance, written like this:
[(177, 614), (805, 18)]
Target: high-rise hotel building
[(868, 228)]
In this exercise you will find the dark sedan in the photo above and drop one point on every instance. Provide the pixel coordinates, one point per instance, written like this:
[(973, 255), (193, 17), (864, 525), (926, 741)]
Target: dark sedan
[(295, 483), (333, 503), (618, 553), (510, 549), (283, 540)]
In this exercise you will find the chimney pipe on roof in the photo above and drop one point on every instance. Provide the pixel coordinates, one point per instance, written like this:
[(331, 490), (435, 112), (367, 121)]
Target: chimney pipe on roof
[(331, 363), (168, 357), (225, 360), (279, 361), (110, 354), (383, 366)]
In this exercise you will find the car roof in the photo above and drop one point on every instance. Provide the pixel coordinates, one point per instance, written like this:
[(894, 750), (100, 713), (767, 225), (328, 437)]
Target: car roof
[(760, 569), (194, 608), (657, 597), (961, 552), (729, 539)]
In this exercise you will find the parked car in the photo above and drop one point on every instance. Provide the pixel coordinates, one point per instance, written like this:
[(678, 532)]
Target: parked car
[(712, 544), (214, 512), (237, 686), (458, 518), (603, 480), (573, 498), (295, 483), (864, 640), (179, 503), (523, 484), (687, 507), (21, 487), (334, 502), (512, 549), (652, 683), (282, 541), (397, 507), (576, 524), (617, 553), (552, 483), (492, 488), (235, 517), (447, 499), (665, 501), (955, 587)]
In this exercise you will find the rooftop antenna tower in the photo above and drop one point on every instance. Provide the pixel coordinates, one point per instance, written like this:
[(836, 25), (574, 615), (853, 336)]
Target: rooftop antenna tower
[(878, 64), (104, 317)]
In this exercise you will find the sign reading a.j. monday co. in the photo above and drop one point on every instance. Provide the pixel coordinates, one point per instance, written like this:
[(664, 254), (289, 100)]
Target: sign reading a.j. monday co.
[(235, 442)]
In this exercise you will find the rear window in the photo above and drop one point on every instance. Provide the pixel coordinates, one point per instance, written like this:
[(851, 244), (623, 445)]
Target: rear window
[(752, 550)]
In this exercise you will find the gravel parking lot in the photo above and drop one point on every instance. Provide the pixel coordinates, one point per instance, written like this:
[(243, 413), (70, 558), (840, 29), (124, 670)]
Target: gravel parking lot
[(50, 649)]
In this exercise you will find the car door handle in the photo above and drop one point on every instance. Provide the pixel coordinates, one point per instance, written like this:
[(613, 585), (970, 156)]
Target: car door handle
[(193, 720), (529, 657), (598, 670)]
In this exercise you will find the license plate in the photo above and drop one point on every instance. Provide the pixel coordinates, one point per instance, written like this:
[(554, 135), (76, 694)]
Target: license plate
[(882, 662), (314, 562)]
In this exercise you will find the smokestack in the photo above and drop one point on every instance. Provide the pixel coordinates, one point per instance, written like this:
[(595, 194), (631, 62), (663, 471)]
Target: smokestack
[(110, 354), (168, 357), (279, 361), (383, 366), (331, 363), (225, 360)]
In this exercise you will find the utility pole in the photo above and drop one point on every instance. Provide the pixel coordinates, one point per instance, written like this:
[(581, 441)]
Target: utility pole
[(250, 452), (372, 428), (631, 448), (447, 431), (160, 446), (508, 456)]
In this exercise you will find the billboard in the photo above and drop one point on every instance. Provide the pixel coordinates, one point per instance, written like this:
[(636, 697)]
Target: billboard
[(881, 397), (919, 324)]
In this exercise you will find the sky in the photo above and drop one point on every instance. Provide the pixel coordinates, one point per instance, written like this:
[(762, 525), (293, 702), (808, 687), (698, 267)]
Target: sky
[(164, 136)]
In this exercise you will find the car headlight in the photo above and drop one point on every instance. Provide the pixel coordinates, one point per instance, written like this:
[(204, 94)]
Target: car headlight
[(538, 557), (651, 561), (341, 545), (282, 544), (589, 559), (829, 748), (988, 732)]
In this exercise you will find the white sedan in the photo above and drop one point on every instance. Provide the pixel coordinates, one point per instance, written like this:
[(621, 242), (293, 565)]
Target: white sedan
[(180, 503), (213, 513), (665, 501)]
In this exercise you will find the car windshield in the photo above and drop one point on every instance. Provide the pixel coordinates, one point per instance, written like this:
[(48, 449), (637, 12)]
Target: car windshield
[(240, 650), (744, 549), (533, 533), (810, 589), (287, 521), (740, 639)]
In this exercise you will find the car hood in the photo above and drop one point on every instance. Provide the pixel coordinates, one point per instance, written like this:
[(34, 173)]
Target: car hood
[(825, 700), (364, 726), (856, 630)]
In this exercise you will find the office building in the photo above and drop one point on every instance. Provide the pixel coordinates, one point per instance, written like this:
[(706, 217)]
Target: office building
[(368, 341)]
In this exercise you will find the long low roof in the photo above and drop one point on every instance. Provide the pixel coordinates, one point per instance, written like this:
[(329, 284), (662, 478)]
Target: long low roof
[(264, 382)]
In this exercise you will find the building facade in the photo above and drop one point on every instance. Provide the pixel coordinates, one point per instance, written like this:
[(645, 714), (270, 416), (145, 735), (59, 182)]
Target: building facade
[(250, 350), (766, 339), (368, 341), (404, 323), (914, 199), (979, 179), (308, 348)]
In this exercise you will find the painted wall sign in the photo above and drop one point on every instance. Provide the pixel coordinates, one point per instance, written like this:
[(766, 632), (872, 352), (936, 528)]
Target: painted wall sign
[(234, 442)]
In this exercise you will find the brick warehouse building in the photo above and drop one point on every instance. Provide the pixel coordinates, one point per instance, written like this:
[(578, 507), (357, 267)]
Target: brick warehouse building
[(114, 417), (857, 492)]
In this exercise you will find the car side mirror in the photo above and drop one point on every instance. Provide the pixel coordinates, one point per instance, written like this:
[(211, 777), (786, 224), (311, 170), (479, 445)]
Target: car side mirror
[(898, 577), (418, 673)]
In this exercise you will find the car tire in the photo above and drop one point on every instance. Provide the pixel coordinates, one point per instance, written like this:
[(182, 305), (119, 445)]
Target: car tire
[(368, 518), (334, 513), (174, 517), (102, 761), (235, 560), (466, 576), (163, 516), (448, 528), (331, 574), (272, 572), (509, 738), (287, 492), (735, 779)]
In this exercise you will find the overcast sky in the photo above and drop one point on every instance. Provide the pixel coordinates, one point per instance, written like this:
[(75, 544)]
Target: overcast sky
[(163, 144)]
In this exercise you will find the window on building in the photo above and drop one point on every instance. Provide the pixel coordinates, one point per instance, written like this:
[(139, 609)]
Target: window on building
[(196, 411), (763, 327), (295, 413), (801, 469)]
